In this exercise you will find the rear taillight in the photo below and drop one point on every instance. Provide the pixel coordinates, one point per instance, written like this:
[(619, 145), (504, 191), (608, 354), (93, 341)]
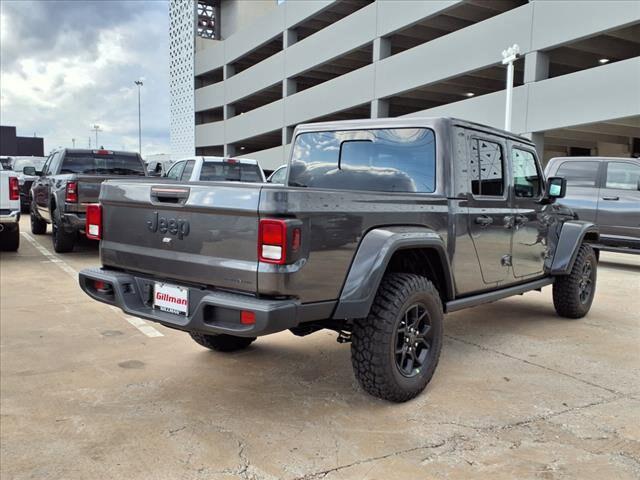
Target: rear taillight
[(279, 241), (71, 193), (272, 241), (14, 188), (93, 224)]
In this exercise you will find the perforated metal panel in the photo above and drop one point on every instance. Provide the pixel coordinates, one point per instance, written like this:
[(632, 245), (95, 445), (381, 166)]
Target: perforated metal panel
[(182, 18)]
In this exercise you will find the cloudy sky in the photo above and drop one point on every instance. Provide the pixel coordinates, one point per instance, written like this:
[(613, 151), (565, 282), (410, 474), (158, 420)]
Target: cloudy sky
[(68, 65)]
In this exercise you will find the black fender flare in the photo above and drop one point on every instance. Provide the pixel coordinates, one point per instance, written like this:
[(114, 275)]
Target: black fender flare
[(371, 260), (571, 237)]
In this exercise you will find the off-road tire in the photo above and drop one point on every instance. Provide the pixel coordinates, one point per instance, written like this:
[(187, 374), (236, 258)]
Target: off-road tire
[(10, 238), (375, 338), (567, 288), (222, 343), (63, 242), (38, 226)]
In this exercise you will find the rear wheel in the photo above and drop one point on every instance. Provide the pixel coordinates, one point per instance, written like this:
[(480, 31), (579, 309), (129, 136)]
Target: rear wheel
[(222, 343), (395, 350), (10, 238), (63, 242), (573, 294)]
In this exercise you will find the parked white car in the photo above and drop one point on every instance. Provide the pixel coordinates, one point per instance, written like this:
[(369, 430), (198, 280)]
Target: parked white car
[(218, 169), (9, 210)]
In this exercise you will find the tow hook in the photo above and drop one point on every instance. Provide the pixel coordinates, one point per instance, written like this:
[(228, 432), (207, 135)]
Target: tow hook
[(344, 337)]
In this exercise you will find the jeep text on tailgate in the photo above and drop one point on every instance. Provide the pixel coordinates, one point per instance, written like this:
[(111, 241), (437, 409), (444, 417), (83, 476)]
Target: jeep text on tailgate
[(380, 227)]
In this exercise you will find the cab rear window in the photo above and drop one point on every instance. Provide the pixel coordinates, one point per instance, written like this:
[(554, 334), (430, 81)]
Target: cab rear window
[(230, 172), (99, 164), (383, 160)]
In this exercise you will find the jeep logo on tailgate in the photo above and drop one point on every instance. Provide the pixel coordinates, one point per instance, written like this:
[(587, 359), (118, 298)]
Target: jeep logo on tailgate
[(173, 226)]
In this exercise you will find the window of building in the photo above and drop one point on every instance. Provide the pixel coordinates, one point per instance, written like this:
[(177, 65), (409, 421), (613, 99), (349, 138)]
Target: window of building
[(486, 168), (579, 174), (384, 160)]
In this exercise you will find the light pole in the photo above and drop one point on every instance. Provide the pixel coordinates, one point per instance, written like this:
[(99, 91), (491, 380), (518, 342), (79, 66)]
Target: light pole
[(139, 84), (508, 57), (73, 140), (97, 129)]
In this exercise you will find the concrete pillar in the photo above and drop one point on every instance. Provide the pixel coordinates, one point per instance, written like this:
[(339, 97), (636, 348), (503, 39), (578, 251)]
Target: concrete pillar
[(289, 87), (289, 37), (536, 67), (228, 71), (287, 135), (538, 139), (379, 108), (229, 150), (228, 111), (381, 48)]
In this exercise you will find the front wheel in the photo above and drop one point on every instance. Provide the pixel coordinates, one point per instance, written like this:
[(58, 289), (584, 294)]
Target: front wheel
[(395, 350), (573, 294), (38, 226), (222, 343)]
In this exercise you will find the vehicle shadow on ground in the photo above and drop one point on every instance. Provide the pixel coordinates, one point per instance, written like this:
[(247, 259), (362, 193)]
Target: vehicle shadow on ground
[(318, 368), (619, 265)]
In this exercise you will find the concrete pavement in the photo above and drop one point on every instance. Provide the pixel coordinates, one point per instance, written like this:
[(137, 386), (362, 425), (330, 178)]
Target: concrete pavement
[(519, 392)]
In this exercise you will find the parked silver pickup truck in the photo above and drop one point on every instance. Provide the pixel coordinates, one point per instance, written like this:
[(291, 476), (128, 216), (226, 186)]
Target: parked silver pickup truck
[(71, 179), (605, 191), (380, 227)]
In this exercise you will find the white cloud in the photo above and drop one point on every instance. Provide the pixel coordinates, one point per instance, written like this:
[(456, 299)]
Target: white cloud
[(58, 82)]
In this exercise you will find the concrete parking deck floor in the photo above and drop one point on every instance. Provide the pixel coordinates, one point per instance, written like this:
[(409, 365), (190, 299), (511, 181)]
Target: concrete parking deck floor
[(519, 392)]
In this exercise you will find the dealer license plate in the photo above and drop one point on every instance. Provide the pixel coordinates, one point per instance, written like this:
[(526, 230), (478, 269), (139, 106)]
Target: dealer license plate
[(171, 298)]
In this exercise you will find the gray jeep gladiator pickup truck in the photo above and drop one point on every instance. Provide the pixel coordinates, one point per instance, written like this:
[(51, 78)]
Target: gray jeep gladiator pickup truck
[(380, 228), (71, 179)]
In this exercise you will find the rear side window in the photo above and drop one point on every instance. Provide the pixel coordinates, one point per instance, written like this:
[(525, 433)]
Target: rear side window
[(186, 173), (486, 167), (622, 175), (579, 174), (383, 160), (98, 164), (175, 171), (230, 172)]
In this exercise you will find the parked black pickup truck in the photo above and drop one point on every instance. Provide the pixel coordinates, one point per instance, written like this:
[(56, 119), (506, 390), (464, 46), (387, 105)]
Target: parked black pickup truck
[(424, 216), (71, 179)]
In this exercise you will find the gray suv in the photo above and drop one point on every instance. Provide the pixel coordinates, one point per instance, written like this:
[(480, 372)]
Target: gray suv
[(605, 191)]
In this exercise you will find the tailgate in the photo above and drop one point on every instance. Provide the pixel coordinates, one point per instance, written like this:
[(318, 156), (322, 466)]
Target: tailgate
[(197, 233), (89, 187)]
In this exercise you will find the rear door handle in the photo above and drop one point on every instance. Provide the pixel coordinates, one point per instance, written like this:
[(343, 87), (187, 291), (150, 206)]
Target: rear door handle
[(484, 220), (611, 198)]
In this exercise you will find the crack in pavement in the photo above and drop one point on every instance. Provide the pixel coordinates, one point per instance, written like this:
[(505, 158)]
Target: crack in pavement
[(533, 364), (324, 473), (458, 436)]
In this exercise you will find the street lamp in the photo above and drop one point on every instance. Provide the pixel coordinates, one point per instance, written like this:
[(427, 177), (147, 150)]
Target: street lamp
[(508, 57), (139, 84), (96, 128)]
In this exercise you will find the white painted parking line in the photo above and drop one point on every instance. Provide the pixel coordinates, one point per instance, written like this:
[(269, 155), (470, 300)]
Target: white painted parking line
[(140, 324)]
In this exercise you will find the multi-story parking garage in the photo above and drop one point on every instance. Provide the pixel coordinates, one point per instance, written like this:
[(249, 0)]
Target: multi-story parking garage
[(252, 70)]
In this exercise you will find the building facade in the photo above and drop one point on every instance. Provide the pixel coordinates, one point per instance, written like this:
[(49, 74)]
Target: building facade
[(13, 145), (264, 66)]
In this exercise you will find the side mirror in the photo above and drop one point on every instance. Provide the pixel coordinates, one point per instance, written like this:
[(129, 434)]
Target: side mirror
[(556, 187), (31, 171)]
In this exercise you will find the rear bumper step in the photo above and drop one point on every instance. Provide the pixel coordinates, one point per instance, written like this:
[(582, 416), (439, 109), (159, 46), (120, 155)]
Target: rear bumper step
[(211, 312)]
